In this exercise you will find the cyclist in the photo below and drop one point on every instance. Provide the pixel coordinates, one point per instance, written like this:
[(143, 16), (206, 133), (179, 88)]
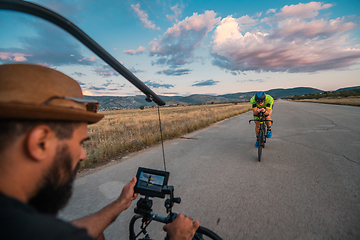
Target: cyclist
[(262, 102), (41, 136), (148, 181)]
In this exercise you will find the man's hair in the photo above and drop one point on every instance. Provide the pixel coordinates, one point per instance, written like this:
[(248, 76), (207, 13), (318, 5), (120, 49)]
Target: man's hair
[(10, 130)]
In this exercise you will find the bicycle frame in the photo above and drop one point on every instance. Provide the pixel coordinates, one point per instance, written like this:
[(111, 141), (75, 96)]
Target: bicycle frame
[(261, 133)]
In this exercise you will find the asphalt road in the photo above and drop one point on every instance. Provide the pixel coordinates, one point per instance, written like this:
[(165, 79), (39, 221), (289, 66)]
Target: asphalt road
[(307, 185)]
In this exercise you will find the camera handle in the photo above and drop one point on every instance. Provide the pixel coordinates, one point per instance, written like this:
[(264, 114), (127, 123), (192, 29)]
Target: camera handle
[(169, 203)]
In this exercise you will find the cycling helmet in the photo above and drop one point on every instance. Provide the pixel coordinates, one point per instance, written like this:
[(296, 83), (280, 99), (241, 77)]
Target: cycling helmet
[(260, 97)]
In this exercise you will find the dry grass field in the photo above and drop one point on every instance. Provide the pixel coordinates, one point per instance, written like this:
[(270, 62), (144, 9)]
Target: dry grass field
[(352, 101), (124, 131)]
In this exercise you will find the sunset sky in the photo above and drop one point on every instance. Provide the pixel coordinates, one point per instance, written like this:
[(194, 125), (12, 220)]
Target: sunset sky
[(194, 47)]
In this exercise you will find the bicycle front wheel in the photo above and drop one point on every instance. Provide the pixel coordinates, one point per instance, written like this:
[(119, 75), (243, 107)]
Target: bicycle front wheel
[(261, 142)]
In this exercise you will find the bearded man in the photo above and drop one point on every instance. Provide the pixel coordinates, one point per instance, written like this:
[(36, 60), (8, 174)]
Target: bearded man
[(43, 125)]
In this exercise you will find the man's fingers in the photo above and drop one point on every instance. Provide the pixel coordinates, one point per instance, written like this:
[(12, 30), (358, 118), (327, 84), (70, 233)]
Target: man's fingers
[(133, 180), (165, 228), (196, 224)]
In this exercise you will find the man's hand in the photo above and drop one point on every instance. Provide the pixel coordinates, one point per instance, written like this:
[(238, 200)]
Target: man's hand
[(258, 110), (127, 194), (182, 228), (96, 223)]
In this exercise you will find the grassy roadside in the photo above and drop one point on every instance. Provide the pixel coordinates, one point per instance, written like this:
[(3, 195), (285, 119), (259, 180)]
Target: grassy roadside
[(124, 131), (350, 101)]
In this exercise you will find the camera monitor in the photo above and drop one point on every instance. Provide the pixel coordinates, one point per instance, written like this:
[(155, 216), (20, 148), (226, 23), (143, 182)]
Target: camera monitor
[(150, 182)]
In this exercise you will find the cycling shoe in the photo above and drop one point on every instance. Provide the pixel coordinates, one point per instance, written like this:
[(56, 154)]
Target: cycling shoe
[(268, 134), (257, 143)]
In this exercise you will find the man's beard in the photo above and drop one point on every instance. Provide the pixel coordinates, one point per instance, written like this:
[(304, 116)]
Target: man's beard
[(56, 188)]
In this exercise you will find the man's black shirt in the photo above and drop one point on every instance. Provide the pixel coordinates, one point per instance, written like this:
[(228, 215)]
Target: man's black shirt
[(20, 221)]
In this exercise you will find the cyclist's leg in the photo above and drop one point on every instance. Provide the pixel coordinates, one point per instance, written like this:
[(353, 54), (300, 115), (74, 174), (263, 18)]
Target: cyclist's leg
[(257, 126), (268, 124)]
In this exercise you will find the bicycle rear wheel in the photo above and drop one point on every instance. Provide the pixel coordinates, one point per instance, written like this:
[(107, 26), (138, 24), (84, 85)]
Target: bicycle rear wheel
[(261, 142)]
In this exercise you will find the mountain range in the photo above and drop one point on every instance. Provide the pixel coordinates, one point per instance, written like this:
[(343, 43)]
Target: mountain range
[(117, 102)]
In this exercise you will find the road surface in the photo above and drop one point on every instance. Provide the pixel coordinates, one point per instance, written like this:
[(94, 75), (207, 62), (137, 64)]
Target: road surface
[(307, 185)]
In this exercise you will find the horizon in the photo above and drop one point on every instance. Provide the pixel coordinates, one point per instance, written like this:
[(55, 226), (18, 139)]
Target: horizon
[(182, 48), (217, 94)]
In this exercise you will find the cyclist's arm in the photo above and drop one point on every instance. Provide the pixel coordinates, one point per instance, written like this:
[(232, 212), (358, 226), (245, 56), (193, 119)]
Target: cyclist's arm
[(257, 110), (96, 223), (269, 105), (254, 107)]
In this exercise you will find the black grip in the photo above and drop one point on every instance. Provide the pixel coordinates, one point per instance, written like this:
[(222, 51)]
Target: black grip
[(208, 233)]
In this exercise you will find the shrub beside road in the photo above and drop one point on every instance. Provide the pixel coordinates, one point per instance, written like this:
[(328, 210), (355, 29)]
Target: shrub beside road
[(124, 131)]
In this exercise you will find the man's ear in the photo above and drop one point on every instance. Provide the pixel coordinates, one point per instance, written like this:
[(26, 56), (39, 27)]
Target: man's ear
[(39, 143)]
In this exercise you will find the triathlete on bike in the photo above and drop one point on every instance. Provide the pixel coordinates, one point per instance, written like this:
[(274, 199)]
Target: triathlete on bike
[(148, 181), (262, 102)]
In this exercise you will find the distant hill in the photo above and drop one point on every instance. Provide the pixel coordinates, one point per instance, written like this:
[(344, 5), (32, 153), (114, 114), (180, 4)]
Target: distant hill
[(348, 88), (115, 102)]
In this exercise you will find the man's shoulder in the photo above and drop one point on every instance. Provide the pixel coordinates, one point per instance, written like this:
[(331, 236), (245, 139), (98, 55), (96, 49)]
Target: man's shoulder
[(269, 98), (19, 221), (252, 100)]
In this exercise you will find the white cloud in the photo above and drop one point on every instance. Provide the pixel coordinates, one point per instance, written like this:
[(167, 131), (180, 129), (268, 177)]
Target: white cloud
[(177, 12), (144, 18), (179, 42), (105, 71)]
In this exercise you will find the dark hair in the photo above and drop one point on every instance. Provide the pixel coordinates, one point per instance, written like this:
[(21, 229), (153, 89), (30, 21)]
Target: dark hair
[(10, 130)]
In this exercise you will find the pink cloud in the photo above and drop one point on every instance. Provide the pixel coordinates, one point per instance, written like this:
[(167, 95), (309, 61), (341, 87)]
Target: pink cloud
[(196, 22), (17, 57), (144, 18), (20, 59), (294, 44), (295, 27), (93, 58), (273, 10), (5, 56), (140, 50), (307, 10)]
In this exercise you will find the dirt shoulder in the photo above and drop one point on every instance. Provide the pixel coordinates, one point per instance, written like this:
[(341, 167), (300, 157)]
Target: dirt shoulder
[(350, 101)]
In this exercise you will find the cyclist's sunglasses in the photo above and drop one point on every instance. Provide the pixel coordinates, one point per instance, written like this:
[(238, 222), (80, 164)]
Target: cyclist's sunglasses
[(91, 105)]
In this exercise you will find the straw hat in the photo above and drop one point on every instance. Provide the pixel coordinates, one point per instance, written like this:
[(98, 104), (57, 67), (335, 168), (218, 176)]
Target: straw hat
[(34, 92)]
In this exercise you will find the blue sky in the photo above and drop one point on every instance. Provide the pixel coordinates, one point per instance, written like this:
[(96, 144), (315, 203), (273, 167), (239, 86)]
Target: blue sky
[(194, 47)]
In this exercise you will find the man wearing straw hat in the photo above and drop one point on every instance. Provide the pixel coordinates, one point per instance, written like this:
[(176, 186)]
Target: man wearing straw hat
[(43, 124)]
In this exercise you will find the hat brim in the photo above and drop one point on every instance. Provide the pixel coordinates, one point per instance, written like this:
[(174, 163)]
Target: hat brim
[(35, 112)]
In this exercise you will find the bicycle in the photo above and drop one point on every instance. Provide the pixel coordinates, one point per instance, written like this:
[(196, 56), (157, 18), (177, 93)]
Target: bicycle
[(143, 208), (262, 133)]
